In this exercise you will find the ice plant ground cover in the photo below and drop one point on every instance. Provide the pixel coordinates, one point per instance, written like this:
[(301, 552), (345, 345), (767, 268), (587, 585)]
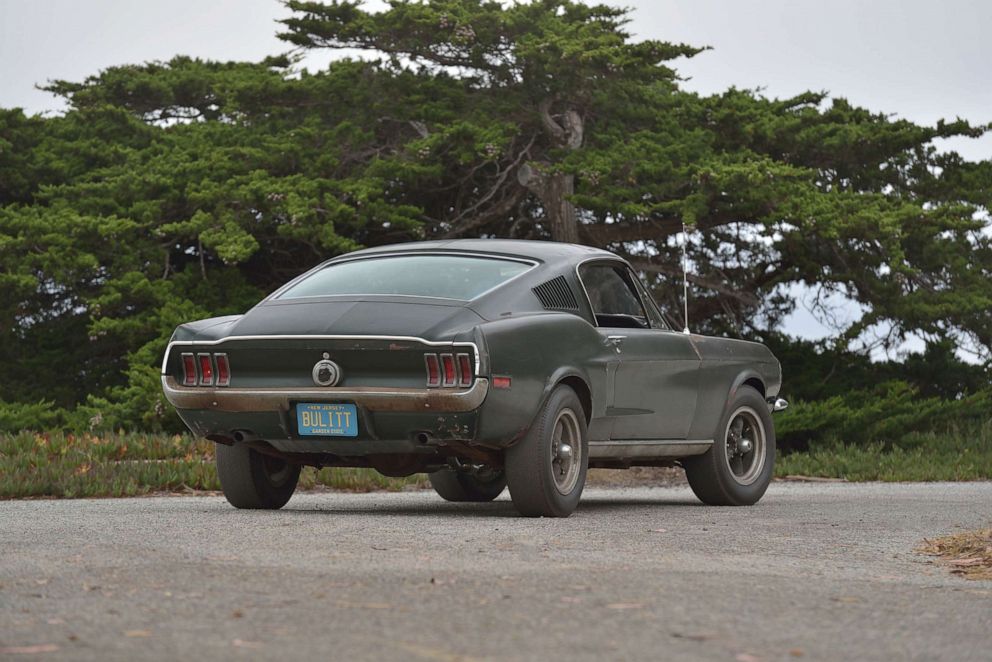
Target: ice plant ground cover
[(58, 464)]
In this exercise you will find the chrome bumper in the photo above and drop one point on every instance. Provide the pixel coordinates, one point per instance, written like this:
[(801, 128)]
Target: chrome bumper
[(372, 398)]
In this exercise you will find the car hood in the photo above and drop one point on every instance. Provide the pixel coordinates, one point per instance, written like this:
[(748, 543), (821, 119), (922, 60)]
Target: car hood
[(436, 321)]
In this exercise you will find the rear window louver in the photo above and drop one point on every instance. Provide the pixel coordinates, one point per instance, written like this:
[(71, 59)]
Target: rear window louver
[(555, 294)]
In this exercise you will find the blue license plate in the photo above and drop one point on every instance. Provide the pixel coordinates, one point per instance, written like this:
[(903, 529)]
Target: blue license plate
[(326, 420)]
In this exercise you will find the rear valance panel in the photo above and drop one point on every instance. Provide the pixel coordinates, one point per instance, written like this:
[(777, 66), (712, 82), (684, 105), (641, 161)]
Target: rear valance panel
[(279, 362)]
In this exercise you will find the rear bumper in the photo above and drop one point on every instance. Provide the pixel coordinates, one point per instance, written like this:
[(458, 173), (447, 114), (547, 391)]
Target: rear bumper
[(370, 398)]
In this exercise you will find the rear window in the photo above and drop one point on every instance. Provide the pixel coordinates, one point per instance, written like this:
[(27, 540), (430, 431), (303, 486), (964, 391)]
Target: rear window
[(443, 276)]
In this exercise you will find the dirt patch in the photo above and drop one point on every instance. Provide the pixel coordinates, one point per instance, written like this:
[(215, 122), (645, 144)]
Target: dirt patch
[(968, 554), (636, 477)]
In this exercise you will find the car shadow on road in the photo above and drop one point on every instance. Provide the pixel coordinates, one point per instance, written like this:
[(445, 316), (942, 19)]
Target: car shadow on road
[(503, 508), (497, 509), (599, 503)]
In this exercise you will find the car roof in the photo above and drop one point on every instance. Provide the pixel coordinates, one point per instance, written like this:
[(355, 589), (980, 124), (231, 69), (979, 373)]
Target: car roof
[(544, 251)]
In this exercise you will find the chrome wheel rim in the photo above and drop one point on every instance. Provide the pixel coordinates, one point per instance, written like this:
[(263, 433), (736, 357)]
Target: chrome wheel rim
[(566, 451), (745, 440)]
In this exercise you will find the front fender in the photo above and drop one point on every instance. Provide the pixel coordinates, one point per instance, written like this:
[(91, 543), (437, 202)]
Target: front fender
[(726, 379), (744, 377)]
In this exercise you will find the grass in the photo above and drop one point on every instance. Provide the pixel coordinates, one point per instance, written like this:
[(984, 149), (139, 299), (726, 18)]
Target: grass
[(65, 465), (968, 554)]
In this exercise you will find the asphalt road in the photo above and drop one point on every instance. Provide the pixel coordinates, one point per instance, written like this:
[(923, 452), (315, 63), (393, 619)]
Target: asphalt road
[(815, 571)]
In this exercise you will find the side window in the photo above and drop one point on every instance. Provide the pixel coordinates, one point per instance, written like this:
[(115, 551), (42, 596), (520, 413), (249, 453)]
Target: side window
[(613, 296), (654, 313)]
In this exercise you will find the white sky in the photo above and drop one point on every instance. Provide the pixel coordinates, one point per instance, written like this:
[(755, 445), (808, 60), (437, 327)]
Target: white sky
[(917, 59)]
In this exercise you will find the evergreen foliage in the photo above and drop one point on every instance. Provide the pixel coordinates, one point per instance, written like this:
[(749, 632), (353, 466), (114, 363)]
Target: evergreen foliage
[(177, 190)]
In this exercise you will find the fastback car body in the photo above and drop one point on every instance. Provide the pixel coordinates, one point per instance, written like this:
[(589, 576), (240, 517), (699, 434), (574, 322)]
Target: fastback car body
[(481, 362)]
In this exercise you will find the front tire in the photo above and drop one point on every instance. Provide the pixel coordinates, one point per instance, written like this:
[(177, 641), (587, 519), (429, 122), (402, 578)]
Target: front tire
[(254, 480), (546, 470), (737, 469), (459, 486)]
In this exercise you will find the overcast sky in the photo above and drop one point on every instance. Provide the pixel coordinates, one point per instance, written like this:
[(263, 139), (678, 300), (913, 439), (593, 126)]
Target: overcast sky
[(917, 59)]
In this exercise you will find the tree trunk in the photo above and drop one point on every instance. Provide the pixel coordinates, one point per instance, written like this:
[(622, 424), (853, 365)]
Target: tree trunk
[(553, 191), (561, 212), (554, 188)]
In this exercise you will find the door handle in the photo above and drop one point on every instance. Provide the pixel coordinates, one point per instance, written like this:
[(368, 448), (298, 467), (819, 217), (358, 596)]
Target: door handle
[(616, 342)]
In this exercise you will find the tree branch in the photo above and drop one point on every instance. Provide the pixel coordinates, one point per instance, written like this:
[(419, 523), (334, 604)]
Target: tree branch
[(701, 281), (499, 209), (499, 182), (655, 228), (550, 125), (574, 129)]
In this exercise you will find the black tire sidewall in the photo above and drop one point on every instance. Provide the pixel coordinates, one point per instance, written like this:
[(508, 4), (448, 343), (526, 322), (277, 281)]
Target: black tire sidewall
[(529, 469), (710, 476), (459, 486), (245, 480), (274, 496)]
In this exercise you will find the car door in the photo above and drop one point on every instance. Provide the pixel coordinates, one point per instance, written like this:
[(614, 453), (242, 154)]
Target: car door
[(656, 378)]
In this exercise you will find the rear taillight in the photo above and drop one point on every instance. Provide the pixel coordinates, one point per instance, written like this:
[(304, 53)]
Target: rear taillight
[(206, 370), (433, 370), (223, 370), (449, 369), (189, 370), (464, 370), (449, 378)]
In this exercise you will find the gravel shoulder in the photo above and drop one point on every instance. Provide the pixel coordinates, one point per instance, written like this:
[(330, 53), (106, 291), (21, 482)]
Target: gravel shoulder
[(818, 571)]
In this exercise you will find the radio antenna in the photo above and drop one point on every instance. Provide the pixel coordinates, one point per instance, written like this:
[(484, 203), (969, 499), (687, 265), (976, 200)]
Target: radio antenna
[(685, 279)]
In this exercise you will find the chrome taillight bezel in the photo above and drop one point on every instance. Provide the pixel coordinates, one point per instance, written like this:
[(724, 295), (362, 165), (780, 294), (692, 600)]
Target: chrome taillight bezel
[(449, 370), (433, 370), (446, 361), (463, 363), (222, 376), (190, 373), (205, 369), (205, 363)]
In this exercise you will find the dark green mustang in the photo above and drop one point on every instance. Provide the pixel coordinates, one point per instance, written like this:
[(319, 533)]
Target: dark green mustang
[(485, 363)]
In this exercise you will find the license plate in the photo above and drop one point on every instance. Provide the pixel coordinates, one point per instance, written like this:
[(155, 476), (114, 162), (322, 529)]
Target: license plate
[(326, 420)]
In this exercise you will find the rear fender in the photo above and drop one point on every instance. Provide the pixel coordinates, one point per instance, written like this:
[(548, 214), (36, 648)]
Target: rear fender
[(536, 352), (571, 374)]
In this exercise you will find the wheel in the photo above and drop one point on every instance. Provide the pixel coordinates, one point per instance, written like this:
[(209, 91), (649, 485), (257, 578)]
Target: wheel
[(254, 480), (736, 470), (546, 470), (460, 486)]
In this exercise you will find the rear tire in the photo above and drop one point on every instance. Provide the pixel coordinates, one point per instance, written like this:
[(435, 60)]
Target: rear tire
[(459, 486), (546, 470), (254, 480), (729, 474)]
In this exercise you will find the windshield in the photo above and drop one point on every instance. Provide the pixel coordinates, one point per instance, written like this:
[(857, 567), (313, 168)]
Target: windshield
[(444, 276)]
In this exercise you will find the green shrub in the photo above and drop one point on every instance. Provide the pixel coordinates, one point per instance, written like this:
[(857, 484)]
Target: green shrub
[(889, 414), (955, 453), (15, 416)]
